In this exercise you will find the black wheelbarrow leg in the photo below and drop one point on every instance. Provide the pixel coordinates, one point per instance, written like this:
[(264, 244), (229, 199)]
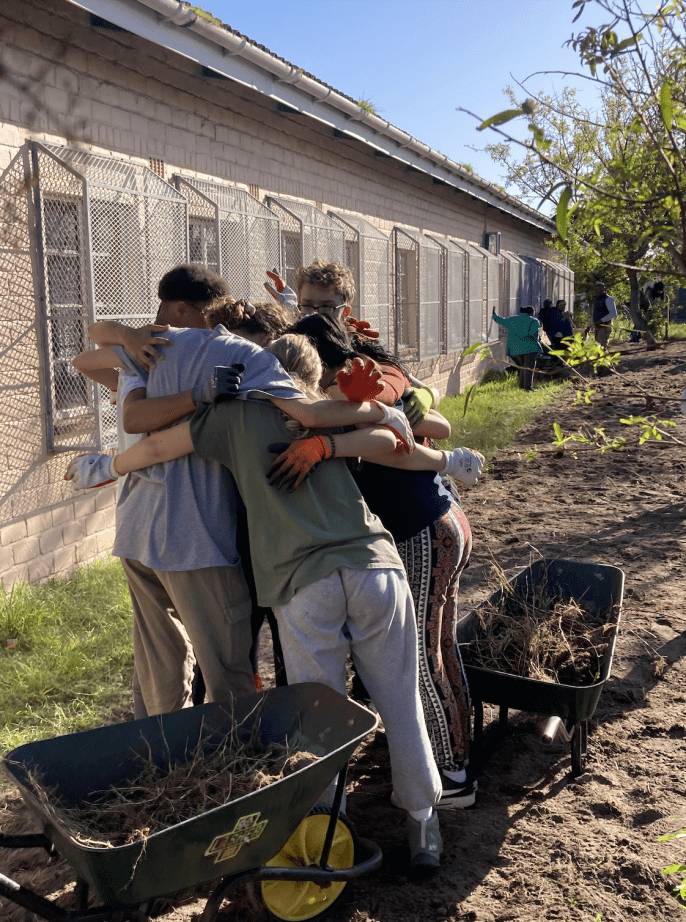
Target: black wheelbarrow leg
[(579, 745)]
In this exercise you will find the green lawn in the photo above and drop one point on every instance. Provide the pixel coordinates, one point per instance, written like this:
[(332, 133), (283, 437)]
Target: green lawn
[(72, 663), (497, 411)]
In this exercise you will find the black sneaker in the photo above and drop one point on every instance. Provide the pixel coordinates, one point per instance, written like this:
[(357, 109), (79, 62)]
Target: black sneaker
[(457, 794)]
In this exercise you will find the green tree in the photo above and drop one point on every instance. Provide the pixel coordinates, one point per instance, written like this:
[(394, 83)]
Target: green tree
[(618, 180)]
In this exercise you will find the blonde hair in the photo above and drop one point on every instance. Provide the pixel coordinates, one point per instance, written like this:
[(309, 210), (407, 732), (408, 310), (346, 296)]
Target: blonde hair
[(327, 275), (301, 360)]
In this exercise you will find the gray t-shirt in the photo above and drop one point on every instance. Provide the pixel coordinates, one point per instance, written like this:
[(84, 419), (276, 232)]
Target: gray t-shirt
[(182, 515)]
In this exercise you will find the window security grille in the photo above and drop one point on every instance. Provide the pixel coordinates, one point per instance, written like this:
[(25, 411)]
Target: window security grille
[(532, 282), (452, 295), (368, 256), (485, 265), (107, 230), (306, 234), (475, 292), (232, 233), (512, 284), (417, 295)]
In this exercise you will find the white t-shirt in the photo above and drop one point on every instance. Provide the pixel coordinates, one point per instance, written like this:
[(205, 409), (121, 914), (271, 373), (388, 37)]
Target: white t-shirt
[(125, 385)]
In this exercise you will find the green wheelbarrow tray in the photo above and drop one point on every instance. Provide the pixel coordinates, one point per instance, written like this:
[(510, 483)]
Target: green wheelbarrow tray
[(598, 587), (225, 841)]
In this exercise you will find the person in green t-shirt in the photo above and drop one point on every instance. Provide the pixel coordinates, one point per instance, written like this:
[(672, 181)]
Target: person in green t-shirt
[(523, 343)]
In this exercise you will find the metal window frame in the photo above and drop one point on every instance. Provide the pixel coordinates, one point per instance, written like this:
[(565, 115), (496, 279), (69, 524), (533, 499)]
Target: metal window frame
[(245, 278), (453, 319), (428, 303), (312, 219), (103, 186), (368, 239)]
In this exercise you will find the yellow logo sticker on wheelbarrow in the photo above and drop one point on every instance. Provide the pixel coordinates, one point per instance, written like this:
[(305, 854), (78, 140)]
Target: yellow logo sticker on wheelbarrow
[(247, 829)]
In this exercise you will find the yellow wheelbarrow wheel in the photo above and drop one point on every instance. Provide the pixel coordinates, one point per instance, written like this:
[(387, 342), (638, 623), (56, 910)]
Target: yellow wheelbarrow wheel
[(295, 901)]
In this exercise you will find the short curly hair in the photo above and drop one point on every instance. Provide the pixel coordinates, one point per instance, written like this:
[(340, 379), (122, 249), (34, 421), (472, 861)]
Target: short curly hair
[(270, 317), (328, 275)]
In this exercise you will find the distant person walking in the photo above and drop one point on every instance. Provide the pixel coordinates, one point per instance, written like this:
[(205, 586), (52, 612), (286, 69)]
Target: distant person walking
[(603, 312), (523, 343), (560, 325)]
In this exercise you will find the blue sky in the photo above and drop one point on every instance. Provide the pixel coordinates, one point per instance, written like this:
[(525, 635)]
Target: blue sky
[(417, 60)]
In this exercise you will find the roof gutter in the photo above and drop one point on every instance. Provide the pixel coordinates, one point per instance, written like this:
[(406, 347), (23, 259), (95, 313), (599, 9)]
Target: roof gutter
[(177, 27)]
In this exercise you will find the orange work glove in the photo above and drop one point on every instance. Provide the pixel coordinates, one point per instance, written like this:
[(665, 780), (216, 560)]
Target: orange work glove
[(281, 292), (363, 328), (361, 383), (297, 462)]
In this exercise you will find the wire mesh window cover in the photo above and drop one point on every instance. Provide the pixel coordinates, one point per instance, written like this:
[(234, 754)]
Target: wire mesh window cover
[(368, 256), (453, 277), (307, 233), (475, 290), (512, 287), (417, 294), (531, 282), (232, 233), (108, 231)]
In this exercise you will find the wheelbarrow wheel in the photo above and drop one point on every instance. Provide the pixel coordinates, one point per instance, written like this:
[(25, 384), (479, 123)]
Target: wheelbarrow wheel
[(294, 901)]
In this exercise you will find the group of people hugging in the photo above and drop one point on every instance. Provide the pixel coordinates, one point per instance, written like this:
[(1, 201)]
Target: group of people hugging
[(288, 471)]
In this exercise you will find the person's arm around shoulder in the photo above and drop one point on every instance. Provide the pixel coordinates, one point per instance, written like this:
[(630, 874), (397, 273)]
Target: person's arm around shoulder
[(139, 342), (99, 365)]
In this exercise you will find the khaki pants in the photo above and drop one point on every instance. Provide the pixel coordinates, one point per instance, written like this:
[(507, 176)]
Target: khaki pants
[(188, 615), (602, 334)]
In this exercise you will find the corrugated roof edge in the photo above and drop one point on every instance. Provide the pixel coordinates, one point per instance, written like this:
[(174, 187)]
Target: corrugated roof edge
[(183, 15)]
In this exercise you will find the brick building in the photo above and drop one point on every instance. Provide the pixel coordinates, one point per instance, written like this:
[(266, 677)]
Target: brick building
[(135, 135)]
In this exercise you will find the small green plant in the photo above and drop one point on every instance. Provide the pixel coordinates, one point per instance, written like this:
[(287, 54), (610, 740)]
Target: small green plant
[(650, 427), (579, 351), (680, 890), (597, 440)]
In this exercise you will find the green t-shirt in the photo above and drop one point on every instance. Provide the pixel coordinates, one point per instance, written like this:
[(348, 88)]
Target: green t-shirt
[(295, 538)]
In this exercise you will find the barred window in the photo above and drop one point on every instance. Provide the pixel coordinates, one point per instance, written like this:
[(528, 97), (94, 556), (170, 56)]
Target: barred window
[(108, 230)]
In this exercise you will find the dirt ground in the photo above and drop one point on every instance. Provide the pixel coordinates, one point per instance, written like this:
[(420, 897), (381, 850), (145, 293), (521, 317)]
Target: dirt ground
[(538, 844)]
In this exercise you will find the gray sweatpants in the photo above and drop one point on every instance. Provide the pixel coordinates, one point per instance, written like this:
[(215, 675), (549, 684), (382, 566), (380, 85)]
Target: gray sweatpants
[(184, 615), (370, 613)]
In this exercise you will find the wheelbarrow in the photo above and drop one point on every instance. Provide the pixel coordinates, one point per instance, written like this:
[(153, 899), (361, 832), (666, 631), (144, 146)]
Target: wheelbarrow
[(301, 854), (597, 587)]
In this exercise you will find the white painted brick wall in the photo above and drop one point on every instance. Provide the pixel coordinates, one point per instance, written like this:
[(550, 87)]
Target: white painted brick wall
[(141, 101)]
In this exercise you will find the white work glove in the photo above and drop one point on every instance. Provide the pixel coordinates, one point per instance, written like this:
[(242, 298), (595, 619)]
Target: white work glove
[(398, 423), (464, 465), (93, 470)]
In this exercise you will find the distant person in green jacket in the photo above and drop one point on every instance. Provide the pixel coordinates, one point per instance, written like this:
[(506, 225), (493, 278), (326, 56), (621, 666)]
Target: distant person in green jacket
[(523, 343)]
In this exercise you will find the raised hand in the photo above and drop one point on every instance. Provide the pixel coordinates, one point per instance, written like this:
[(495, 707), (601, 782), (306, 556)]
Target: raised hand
[(281, 292), (361, 382)]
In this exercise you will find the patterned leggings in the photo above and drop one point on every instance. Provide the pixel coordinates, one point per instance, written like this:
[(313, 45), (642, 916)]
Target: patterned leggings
[(434, 559)]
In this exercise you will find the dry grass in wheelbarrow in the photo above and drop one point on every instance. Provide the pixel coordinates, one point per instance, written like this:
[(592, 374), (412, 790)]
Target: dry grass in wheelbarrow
[(162, 797), (541, 637)]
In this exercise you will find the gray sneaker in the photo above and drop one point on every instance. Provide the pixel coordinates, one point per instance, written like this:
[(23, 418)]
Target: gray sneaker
[(426, 845)]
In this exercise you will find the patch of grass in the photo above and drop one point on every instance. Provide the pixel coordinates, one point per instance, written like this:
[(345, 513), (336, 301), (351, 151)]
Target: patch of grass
[(496, 412), (73, 659)]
